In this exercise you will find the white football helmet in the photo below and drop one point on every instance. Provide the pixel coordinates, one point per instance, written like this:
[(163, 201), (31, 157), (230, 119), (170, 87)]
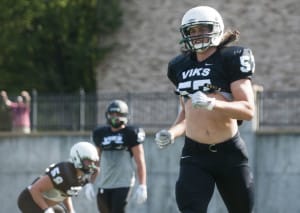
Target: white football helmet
[(202, 15), (84, 151)]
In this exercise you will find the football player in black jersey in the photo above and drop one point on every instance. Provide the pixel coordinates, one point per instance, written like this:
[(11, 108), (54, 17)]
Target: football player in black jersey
[(213, 81), (117, 144), (52, 192)]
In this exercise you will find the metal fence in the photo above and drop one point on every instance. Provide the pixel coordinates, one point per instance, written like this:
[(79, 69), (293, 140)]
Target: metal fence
[(83, 112), (278, 110)]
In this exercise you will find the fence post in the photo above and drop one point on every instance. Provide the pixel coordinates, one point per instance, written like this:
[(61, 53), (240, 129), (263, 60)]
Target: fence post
[(258, 90), (82, 109), (34, 111), (130, 108)]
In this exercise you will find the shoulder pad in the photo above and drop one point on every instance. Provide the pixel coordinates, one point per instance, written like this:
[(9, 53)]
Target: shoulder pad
[(101, 128), (231, 51), (180, 58)]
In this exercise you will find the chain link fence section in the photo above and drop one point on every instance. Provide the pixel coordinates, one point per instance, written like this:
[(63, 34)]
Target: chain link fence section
[(275, 111), (84, 112), (278, 110)]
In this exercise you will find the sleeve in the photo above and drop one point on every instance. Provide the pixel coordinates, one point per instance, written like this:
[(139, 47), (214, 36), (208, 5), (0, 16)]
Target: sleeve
[(141, 135), (240, 62), (171, 72), (136, 136), (13, 105), (97, 137)]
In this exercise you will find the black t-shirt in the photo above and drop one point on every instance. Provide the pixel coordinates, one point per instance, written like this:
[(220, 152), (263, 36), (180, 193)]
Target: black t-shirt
[(124, 139)]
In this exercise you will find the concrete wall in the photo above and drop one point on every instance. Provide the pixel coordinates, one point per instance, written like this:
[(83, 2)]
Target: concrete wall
[(274, 159), (150, 35)]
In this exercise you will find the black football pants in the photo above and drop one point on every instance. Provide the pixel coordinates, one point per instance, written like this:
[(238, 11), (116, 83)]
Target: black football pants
[(225, 165)]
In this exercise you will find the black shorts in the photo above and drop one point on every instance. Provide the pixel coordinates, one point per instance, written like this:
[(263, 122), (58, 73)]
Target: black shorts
[(27, 205), (204, 166), (113, 200)]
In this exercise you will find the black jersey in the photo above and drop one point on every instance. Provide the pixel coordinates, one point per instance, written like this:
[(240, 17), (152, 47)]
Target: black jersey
[(117, 169), (63, 175), (225, 66), (123, 139)]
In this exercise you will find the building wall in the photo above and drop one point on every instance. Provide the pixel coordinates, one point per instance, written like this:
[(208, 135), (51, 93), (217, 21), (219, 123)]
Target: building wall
[(150, 37), (274, 159)]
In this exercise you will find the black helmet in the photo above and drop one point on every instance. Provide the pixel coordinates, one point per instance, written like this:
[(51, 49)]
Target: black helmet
[(120, 107)]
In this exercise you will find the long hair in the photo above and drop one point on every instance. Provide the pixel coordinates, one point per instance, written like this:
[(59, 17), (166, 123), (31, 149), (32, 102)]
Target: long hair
[(229, 36)]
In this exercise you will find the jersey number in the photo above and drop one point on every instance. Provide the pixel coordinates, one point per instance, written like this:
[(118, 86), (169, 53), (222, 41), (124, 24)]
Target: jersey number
[(194, 85), (55, 173), (245, 63)]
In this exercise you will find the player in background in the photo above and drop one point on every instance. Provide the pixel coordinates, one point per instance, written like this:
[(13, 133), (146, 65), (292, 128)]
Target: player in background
[(20, 111), (119, 146), (52, 192), (213, 81)]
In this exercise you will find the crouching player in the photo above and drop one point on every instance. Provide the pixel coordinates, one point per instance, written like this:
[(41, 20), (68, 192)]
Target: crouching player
[(52, 192)]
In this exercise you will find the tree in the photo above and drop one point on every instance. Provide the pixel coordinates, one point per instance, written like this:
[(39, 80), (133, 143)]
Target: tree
[(53, 45)]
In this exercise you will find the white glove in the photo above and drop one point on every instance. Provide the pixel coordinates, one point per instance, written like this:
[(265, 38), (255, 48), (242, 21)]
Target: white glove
[(200, 100), (163, 138), (49, 210), (140, 195), (89, 191)]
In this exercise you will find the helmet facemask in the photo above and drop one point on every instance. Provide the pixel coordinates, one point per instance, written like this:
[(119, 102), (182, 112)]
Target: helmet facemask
[(209, 38), (117, 114), (115, 119), (88, 166)]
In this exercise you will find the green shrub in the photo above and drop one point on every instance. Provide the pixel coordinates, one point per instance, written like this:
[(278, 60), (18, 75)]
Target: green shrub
[(54, 45)]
